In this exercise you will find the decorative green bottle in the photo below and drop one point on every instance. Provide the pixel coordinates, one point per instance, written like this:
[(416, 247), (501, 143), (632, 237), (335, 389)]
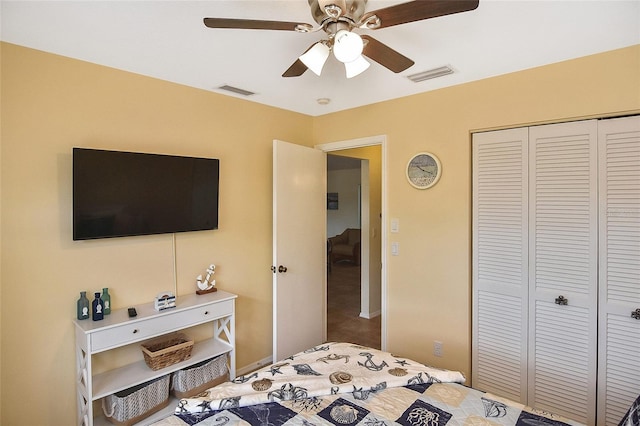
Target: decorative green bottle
[(106, 299), (83, 306)]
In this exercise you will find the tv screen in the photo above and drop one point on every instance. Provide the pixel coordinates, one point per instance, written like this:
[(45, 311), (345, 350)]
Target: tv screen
[(118, 194)]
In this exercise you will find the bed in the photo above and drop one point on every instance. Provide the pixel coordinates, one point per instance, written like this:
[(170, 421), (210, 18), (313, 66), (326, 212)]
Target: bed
[(632, 418), (343, 384)]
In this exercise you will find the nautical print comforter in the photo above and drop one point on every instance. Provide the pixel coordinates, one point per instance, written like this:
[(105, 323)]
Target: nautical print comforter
[(347, 385), (632, 418)]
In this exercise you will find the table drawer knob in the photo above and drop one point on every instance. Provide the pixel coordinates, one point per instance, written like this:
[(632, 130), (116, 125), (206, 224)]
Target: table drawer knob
[(206, 312), (135, 331)]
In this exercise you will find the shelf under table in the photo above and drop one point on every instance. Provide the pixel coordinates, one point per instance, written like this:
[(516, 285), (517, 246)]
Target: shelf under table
[(138, 372), (155, 417)]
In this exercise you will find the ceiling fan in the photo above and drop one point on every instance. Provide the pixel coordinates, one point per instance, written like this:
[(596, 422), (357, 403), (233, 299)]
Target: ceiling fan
[(338, 19)]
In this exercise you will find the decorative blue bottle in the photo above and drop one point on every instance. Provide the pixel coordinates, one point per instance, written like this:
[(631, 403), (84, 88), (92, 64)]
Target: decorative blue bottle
[(97, 308), (106, 299), (83, 306)]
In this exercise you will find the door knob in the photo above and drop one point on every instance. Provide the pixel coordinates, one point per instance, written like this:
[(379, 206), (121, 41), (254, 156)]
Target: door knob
[(282, 269), (636, 314)]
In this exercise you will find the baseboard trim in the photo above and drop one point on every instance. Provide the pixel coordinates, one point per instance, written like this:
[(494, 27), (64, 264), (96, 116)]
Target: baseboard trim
[(369, 315), (253, 366)]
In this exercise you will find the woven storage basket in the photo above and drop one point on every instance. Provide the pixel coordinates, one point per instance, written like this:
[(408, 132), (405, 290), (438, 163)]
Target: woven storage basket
[(134, 404), (199, 377), (167, 350)]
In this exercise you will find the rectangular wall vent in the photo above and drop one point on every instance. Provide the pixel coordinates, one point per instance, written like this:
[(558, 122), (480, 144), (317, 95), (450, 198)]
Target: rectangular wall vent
[(236, 90), (429, 74)]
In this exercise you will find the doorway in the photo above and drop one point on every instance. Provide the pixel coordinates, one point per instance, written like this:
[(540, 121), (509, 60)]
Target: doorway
[(349, 318), (356, 292)]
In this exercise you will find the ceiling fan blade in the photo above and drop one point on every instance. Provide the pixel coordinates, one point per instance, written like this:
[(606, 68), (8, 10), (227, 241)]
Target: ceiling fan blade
[(384, 55), (419, 10), (296, 69), (251, 24)]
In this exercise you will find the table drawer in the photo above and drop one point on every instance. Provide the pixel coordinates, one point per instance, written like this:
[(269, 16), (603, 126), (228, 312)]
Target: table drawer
[(158, 325)]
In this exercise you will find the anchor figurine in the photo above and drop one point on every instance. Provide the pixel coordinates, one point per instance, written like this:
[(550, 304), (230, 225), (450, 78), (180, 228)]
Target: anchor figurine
[(208, 285)]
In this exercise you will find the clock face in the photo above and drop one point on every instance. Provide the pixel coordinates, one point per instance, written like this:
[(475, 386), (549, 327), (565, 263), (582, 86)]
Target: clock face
[(423, 170)]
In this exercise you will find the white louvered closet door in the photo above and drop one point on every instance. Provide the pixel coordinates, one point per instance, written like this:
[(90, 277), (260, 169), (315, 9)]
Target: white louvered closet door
[(619, 334), (563, 260), (500, 263)]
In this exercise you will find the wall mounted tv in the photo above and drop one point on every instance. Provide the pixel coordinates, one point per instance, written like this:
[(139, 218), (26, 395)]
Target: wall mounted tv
[(118, 194)]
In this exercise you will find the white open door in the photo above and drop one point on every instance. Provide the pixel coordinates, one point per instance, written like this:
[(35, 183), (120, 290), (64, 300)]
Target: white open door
[(299, 248)]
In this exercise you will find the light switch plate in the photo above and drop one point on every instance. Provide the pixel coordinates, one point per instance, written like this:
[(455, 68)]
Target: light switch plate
[(395, 225), (395, 249)]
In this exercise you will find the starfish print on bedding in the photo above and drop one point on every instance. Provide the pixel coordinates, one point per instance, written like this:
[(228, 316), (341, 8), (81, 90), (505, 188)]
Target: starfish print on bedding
[(206, 406), (275, 369)]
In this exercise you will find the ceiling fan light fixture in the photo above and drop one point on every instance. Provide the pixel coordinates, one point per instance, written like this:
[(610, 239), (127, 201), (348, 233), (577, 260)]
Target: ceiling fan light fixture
[(315, 58), (358, 66), (347, 46)]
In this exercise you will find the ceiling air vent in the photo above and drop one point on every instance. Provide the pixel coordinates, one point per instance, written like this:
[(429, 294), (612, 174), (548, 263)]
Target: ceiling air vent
[(236, 90), (434, 73)]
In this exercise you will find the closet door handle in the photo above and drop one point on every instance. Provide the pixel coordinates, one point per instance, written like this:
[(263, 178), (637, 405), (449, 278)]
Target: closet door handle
[(561, 300), (636, 314)]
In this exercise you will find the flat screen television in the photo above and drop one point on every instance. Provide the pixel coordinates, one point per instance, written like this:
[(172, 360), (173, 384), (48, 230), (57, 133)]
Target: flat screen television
[(118, 194)]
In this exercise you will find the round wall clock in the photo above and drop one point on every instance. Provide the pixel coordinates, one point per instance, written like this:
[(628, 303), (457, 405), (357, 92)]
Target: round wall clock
[(423, 170)]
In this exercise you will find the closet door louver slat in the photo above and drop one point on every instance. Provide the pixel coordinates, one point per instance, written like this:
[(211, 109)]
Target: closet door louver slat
[(563, 257), (619, 278), (500, 262)]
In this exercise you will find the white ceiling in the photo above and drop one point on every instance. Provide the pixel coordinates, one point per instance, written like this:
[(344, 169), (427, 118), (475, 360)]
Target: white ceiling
[(168, 40)]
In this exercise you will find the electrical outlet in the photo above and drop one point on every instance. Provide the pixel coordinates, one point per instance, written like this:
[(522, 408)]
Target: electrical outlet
[(437, 348)]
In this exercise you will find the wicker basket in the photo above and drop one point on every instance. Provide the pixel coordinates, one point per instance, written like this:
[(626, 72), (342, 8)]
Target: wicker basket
[(167, 350), (199, 377), (134, 404)]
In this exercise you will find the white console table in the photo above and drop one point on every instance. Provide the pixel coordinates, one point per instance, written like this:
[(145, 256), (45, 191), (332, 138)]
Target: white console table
[(118, 330)]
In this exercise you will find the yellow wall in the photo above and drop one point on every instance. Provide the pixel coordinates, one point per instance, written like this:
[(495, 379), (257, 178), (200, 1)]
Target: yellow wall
[(51, 103), (429, 283)]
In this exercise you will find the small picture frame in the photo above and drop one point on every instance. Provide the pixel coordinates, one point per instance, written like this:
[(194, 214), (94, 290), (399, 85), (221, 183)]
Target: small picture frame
[(423, 170), (332, 201)]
